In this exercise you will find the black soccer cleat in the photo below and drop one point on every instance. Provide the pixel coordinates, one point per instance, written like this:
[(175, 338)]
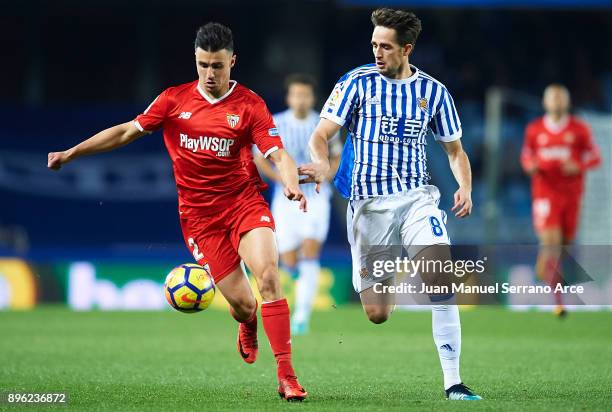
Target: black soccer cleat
[(560, 312), (460, 392)]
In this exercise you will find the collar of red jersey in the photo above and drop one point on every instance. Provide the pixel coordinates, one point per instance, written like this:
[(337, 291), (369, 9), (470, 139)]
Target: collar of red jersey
[(212, 100), (556, 127)]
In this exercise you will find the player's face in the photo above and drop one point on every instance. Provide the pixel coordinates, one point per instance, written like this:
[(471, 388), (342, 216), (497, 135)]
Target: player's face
[(556, 100), (300, 98), (389, 56), (214, 70)]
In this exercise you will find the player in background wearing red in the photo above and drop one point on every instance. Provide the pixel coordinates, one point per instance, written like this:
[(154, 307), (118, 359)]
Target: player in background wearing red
[(557, 151), (208, 126)]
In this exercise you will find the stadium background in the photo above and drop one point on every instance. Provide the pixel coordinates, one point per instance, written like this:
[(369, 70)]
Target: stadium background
[(74, 68)]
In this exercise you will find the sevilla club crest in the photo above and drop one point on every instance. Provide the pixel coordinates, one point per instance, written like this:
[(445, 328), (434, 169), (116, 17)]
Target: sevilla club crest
[(232, 120)]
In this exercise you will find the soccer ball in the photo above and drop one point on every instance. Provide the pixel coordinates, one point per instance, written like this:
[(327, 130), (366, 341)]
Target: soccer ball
[(189, 288)]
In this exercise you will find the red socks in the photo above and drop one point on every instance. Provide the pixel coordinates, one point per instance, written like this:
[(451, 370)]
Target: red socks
[(275, 318)]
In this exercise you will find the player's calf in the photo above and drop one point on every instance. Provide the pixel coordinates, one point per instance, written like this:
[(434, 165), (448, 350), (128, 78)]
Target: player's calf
[(247, 344), (377, 306), (243, 310), (378, 313), (268, 283)]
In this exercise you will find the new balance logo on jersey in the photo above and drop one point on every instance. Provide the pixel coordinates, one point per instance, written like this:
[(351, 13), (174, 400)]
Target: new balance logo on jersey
[(220, 145), (184, 115), (265, 219), (447, 347)]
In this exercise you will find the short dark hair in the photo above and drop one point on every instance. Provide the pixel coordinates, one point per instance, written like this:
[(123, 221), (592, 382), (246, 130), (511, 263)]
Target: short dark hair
[(405, 23), (213, 37), (300, 78)]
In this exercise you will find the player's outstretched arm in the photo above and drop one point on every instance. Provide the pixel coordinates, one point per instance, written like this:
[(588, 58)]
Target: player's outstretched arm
[(104, 141), (318, 170), (265, 168), (460, 166), (289, 177)]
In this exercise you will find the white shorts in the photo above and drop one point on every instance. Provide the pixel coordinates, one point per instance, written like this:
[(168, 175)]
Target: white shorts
[(410, 219), (293, 226)]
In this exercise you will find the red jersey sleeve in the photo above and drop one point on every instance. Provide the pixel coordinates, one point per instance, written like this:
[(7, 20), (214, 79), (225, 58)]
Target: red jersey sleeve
[(153, 117), (591, 157), (528, 152), (263, 130)]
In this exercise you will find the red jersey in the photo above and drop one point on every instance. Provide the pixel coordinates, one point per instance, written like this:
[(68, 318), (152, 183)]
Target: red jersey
[(548, 146), (208, 140)]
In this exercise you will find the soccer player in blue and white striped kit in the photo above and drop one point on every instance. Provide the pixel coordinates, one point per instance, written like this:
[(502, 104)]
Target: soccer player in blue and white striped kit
[(388, 108)]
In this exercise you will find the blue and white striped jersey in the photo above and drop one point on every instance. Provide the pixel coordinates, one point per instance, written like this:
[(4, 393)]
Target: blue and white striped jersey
[(295, 134), (387, 121)]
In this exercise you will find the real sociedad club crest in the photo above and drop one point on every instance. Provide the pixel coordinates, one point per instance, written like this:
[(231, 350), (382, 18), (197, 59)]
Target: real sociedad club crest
[(422, 103), (232, 120)]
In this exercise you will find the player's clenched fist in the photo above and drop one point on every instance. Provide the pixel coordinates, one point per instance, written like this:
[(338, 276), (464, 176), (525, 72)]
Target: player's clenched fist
[(56, 160)]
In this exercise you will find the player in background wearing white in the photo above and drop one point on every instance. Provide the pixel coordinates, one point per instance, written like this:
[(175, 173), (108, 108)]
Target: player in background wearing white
[(388, 108), (300, 235)]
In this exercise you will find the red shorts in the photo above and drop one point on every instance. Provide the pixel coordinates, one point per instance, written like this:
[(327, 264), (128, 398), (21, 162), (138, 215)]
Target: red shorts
[(215, 239), (561, 212)]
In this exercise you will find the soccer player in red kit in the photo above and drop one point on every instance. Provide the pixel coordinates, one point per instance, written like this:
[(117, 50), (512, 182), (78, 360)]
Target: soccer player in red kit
[(209, 126), (557, 151)]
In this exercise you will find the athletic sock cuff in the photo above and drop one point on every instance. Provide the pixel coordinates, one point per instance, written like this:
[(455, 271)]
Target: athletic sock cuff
[(275, 308)]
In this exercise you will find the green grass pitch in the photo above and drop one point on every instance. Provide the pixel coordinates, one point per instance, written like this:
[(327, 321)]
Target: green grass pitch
[(120, 361)]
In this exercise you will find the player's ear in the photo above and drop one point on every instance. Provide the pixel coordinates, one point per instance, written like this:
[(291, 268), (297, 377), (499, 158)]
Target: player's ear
[(407, 49), (233, 61)]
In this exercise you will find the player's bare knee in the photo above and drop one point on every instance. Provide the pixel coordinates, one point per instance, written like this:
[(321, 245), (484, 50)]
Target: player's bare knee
[(550, 238), (289, 259), (310, 254), (311, 249)]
